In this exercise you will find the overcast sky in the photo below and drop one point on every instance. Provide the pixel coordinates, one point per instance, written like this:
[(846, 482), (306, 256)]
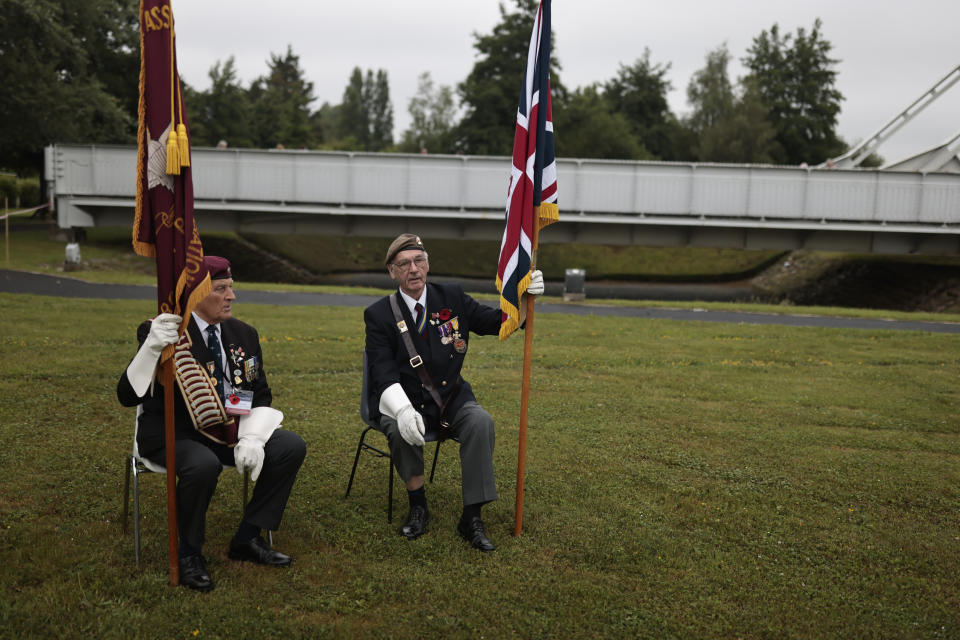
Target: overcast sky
[(890, 52)]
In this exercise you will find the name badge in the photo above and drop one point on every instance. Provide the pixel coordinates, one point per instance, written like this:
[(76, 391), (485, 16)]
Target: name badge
[(239, 402)]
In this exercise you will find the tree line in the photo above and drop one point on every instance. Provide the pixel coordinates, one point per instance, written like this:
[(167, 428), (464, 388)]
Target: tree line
[(69, 69)]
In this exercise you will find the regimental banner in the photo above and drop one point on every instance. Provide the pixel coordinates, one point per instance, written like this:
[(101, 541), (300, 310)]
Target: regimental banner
[(532, 194), (164, 227)]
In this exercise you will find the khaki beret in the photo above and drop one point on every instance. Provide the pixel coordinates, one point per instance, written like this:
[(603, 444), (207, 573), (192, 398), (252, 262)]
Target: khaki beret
[(403, 242)]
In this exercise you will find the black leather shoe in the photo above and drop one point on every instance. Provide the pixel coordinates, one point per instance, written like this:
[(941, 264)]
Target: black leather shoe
[(257, 550), (472, 531), (193, 573), (416, 524)]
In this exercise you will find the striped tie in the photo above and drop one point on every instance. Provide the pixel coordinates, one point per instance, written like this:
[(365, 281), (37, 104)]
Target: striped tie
[(214, 345), (421, 320)]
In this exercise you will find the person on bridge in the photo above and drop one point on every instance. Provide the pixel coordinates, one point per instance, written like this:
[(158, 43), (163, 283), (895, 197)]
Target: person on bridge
[(416, 341), (222, 416)]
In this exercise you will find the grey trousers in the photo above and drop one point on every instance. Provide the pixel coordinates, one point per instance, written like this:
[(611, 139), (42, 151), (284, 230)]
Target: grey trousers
[(473, 429)]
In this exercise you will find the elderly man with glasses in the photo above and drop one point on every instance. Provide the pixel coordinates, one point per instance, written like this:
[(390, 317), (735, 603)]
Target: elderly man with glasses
[(416, 341)]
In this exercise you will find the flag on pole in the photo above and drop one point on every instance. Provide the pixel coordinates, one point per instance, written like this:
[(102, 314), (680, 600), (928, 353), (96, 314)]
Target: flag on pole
[(532, 193), (164, 227)]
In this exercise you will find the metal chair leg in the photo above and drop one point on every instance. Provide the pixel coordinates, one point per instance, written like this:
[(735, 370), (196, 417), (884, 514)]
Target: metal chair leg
[(356, 460), (433, 467), (136, 510), (126, 494), (390, 490)]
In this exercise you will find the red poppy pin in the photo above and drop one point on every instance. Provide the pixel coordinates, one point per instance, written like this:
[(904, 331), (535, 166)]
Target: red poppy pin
[(444, 315)]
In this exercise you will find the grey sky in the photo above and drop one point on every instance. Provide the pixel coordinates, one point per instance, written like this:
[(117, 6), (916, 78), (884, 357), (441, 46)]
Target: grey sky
[(890, 52)]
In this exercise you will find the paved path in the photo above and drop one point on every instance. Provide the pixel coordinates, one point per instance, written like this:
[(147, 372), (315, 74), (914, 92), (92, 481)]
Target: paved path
[(23, 282)]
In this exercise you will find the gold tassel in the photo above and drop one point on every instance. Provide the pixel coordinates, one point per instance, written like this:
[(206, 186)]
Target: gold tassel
[(184, 145), (173, 155)]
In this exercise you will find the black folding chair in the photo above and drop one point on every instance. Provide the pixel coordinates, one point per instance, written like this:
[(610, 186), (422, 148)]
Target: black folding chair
[(364, 446)]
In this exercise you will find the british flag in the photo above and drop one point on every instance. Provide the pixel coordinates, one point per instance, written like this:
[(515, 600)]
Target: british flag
[(532, 194)]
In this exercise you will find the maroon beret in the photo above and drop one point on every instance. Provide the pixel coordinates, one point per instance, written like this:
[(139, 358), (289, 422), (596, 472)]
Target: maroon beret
[(217, 267)]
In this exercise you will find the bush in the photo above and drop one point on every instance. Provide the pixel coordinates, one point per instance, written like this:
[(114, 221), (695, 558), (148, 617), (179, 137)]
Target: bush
[(29, 192), (9, 189)]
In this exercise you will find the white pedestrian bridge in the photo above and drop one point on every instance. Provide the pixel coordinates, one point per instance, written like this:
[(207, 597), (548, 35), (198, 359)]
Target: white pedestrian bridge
[(601, 201)]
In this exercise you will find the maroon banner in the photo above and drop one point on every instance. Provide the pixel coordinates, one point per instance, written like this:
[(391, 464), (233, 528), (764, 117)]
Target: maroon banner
[(164, 227)]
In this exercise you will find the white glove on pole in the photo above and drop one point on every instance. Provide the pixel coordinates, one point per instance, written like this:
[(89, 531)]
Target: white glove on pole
[(394, 403), (254, 430), (163, 331), (535, 288)]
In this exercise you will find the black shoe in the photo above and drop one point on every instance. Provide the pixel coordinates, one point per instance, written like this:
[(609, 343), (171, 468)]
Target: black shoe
[(257, 550), (472, 531), (193, 573), (416, 524)]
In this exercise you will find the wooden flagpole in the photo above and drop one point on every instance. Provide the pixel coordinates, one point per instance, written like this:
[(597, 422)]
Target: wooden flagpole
[(170, 444), (525, 383)]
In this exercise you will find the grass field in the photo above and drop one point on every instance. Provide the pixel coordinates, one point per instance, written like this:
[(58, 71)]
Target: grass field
[(684, 479)]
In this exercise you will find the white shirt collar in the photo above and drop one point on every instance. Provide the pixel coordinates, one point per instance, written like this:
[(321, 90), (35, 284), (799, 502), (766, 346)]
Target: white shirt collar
[(412, 302), (203, 324)]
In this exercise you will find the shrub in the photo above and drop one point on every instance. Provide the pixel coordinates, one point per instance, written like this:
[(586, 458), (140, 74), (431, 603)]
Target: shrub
[(29, 192), (9, 189)]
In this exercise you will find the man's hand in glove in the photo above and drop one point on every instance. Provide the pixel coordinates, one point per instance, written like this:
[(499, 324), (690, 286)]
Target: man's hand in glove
[(163, 331), (253, 432), (535, 288), (411, 426)]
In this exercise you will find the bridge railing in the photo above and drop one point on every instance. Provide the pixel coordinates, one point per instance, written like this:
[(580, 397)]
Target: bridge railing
[(588, 188)]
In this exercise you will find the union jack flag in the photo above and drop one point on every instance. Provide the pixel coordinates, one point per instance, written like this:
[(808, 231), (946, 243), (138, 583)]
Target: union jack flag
[(532, 194)]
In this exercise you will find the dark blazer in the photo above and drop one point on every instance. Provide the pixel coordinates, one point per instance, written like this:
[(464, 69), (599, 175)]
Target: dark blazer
[(233, 334), (389, 362)]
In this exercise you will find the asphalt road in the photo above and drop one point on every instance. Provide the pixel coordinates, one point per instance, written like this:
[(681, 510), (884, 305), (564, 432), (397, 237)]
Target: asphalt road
[(40, 284)]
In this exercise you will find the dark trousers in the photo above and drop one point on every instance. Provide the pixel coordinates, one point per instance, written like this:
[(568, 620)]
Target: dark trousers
[(199, 464)]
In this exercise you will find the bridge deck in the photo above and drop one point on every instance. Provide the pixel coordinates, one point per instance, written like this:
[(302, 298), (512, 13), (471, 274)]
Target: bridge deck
[(601, 201)]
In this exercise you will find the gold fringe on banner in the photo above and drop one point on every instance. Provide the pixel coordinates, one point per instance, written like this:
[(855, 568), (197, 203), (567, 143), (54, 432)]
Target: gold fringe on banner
[(139, 247)]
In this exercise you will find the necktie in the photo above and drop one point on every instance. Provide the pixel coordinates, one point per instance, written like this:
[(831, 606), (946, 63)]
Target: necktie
[(214, 345), (421, 320)]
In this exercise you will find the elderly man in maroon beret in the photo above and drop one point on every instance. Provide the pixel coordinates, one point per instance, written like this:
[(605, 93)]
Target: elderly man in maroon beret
[(222, 416)]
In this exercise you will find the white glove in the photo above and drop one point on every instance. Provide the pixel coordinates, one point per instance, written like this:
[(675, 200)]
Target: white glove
[(535, 288), (163, 331), (254, 430), (394, 403)]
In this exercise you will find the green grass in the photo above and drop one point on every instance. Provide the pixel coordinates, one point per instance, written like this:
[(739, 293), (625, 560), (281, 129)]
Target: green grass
[(684, 479)]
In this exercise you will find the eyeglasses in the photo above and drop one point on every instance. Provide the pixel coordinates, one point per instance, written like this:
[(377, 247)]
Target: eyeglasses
[(404, 265)]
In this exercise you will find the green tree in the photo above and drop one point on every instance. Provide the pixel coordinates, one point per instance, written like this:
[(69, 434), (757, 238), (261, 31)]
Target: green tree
[(729, 126), (353, 126), (281, 104), (796, 81), (365, 114), (221, 113), (591, 130), (324, 121), (432, 118), (639, 92), (66, 70), (489, 95), (710, 91), (376, 99)]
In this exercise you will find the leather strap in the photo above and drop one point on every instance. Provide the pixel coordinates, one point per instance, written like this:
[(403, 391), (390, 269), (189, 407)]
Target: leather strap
[(416, 361)]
